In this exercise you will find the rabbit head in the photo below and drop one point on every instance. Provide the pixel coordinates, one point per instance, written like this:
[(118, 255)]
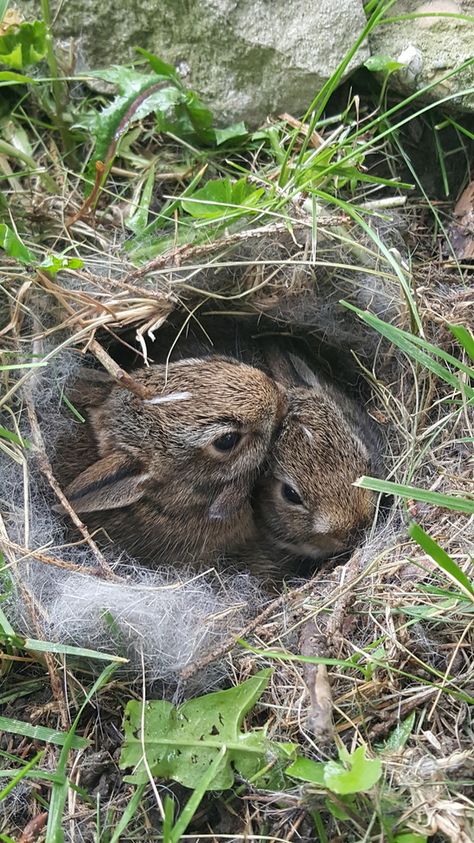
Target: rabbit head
[(183, 460), (305, 503)]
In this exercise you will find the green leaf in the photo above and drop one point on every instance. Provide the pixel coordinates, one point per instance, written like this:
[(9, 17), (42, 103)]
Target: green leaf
[(385, 64), (402, 731), (12, 245), (358, 774), (54, 263), (138, 96), (23, 44), (410, 837), (442, 559), (181, 743), (39, 733), (160, 67), (307, 770), (233, 132), (213, 200), (418, 349), (413, 493), (464, 338), (8, 77), (138, 221), (12, 437)]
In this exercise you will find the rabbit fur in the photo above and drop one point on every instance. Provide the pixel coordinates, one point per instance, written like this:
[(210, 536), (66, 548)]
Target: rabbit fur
[(305, 504), (160, 477)]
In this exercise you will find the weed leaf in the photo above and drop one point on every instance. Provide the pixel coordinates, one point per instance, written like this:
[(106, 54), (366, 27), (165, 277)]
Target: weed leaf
[(357, 775), (181, 743), (23, 44)]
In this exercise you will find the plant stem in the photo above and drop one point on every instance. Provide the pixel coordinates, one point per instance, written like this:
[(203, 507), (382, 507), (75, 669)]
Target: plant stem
[(57, 85)]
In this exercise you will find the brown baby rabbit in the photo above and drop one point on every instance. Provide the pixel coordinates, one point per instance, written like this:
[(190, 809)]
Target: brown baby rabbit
[(305, 503), (170, 476)]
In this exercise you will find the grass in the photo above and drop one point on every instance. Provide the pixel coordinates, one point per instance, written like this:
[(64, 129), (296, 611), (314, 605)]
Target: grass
[(391, 647)]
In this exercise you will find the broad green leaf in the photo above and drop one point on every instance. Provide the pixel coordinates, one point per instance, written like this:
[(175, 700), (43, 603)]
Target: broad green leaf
[(385, 64), (413, 493), (54, 263), (307, 770), (212, 200), (12, 245), (442, 559), (160, 67), (23, 44), (410, 837), (181, 743), (134, 101), (357, 775), (233, 132), (399, 736)]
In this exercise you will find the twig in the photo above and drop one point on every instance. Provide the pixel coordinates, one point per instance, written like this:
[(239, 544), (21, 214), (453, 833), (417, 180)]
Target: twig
[(120, 375), (59, 563), (176, 257), (284, 599), (45, 466), (315, 139)]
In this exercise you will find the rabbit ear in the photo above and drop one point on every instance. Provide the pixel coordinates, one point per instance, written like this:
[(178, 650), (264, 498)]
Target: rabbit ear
[(90, 388), (304, 372), (228, 503), (112, 482)]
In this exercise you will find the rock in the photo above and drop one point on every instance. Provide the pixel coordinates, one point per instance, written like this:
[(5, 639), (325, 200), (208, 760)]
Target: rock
[(430, 47), (246, 58)]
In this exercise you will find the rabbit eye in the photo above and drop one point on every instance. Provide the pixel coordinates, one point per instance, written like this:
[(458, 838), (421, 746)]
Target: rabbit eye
[(290, 494), (227, 441)]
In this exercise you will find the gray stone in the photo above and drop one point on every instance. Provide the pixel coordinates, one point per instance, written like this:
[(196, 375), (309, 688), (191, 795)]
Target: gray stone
[(246, 58), (430, 48)]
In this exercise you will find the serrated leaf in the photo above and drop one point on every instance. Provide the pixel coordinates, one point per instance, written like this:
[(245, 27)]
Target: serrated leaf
[(358, 774), (181, 743), (23, 44), (13, 246), (307, 771)]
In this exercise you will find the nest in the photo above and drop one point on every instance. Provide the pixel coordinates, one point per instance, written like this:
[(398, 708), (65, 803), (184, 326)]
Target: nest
[(385, 608)]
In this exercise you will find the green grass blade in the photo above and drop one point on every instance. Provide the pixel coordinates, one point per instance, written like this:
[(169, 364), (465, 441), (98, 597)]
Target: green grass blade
[(464, 338), (442, 559), (196, 798), (128, 814), (38, 646), (20, 775), (54, 831), (39, 733), (413, 493), (411, 345)]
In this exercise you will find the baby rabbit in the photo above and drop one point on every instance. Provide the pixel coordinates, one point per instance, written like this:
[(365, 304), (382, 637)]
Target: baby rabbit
[(305, 503), (170, 476)]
